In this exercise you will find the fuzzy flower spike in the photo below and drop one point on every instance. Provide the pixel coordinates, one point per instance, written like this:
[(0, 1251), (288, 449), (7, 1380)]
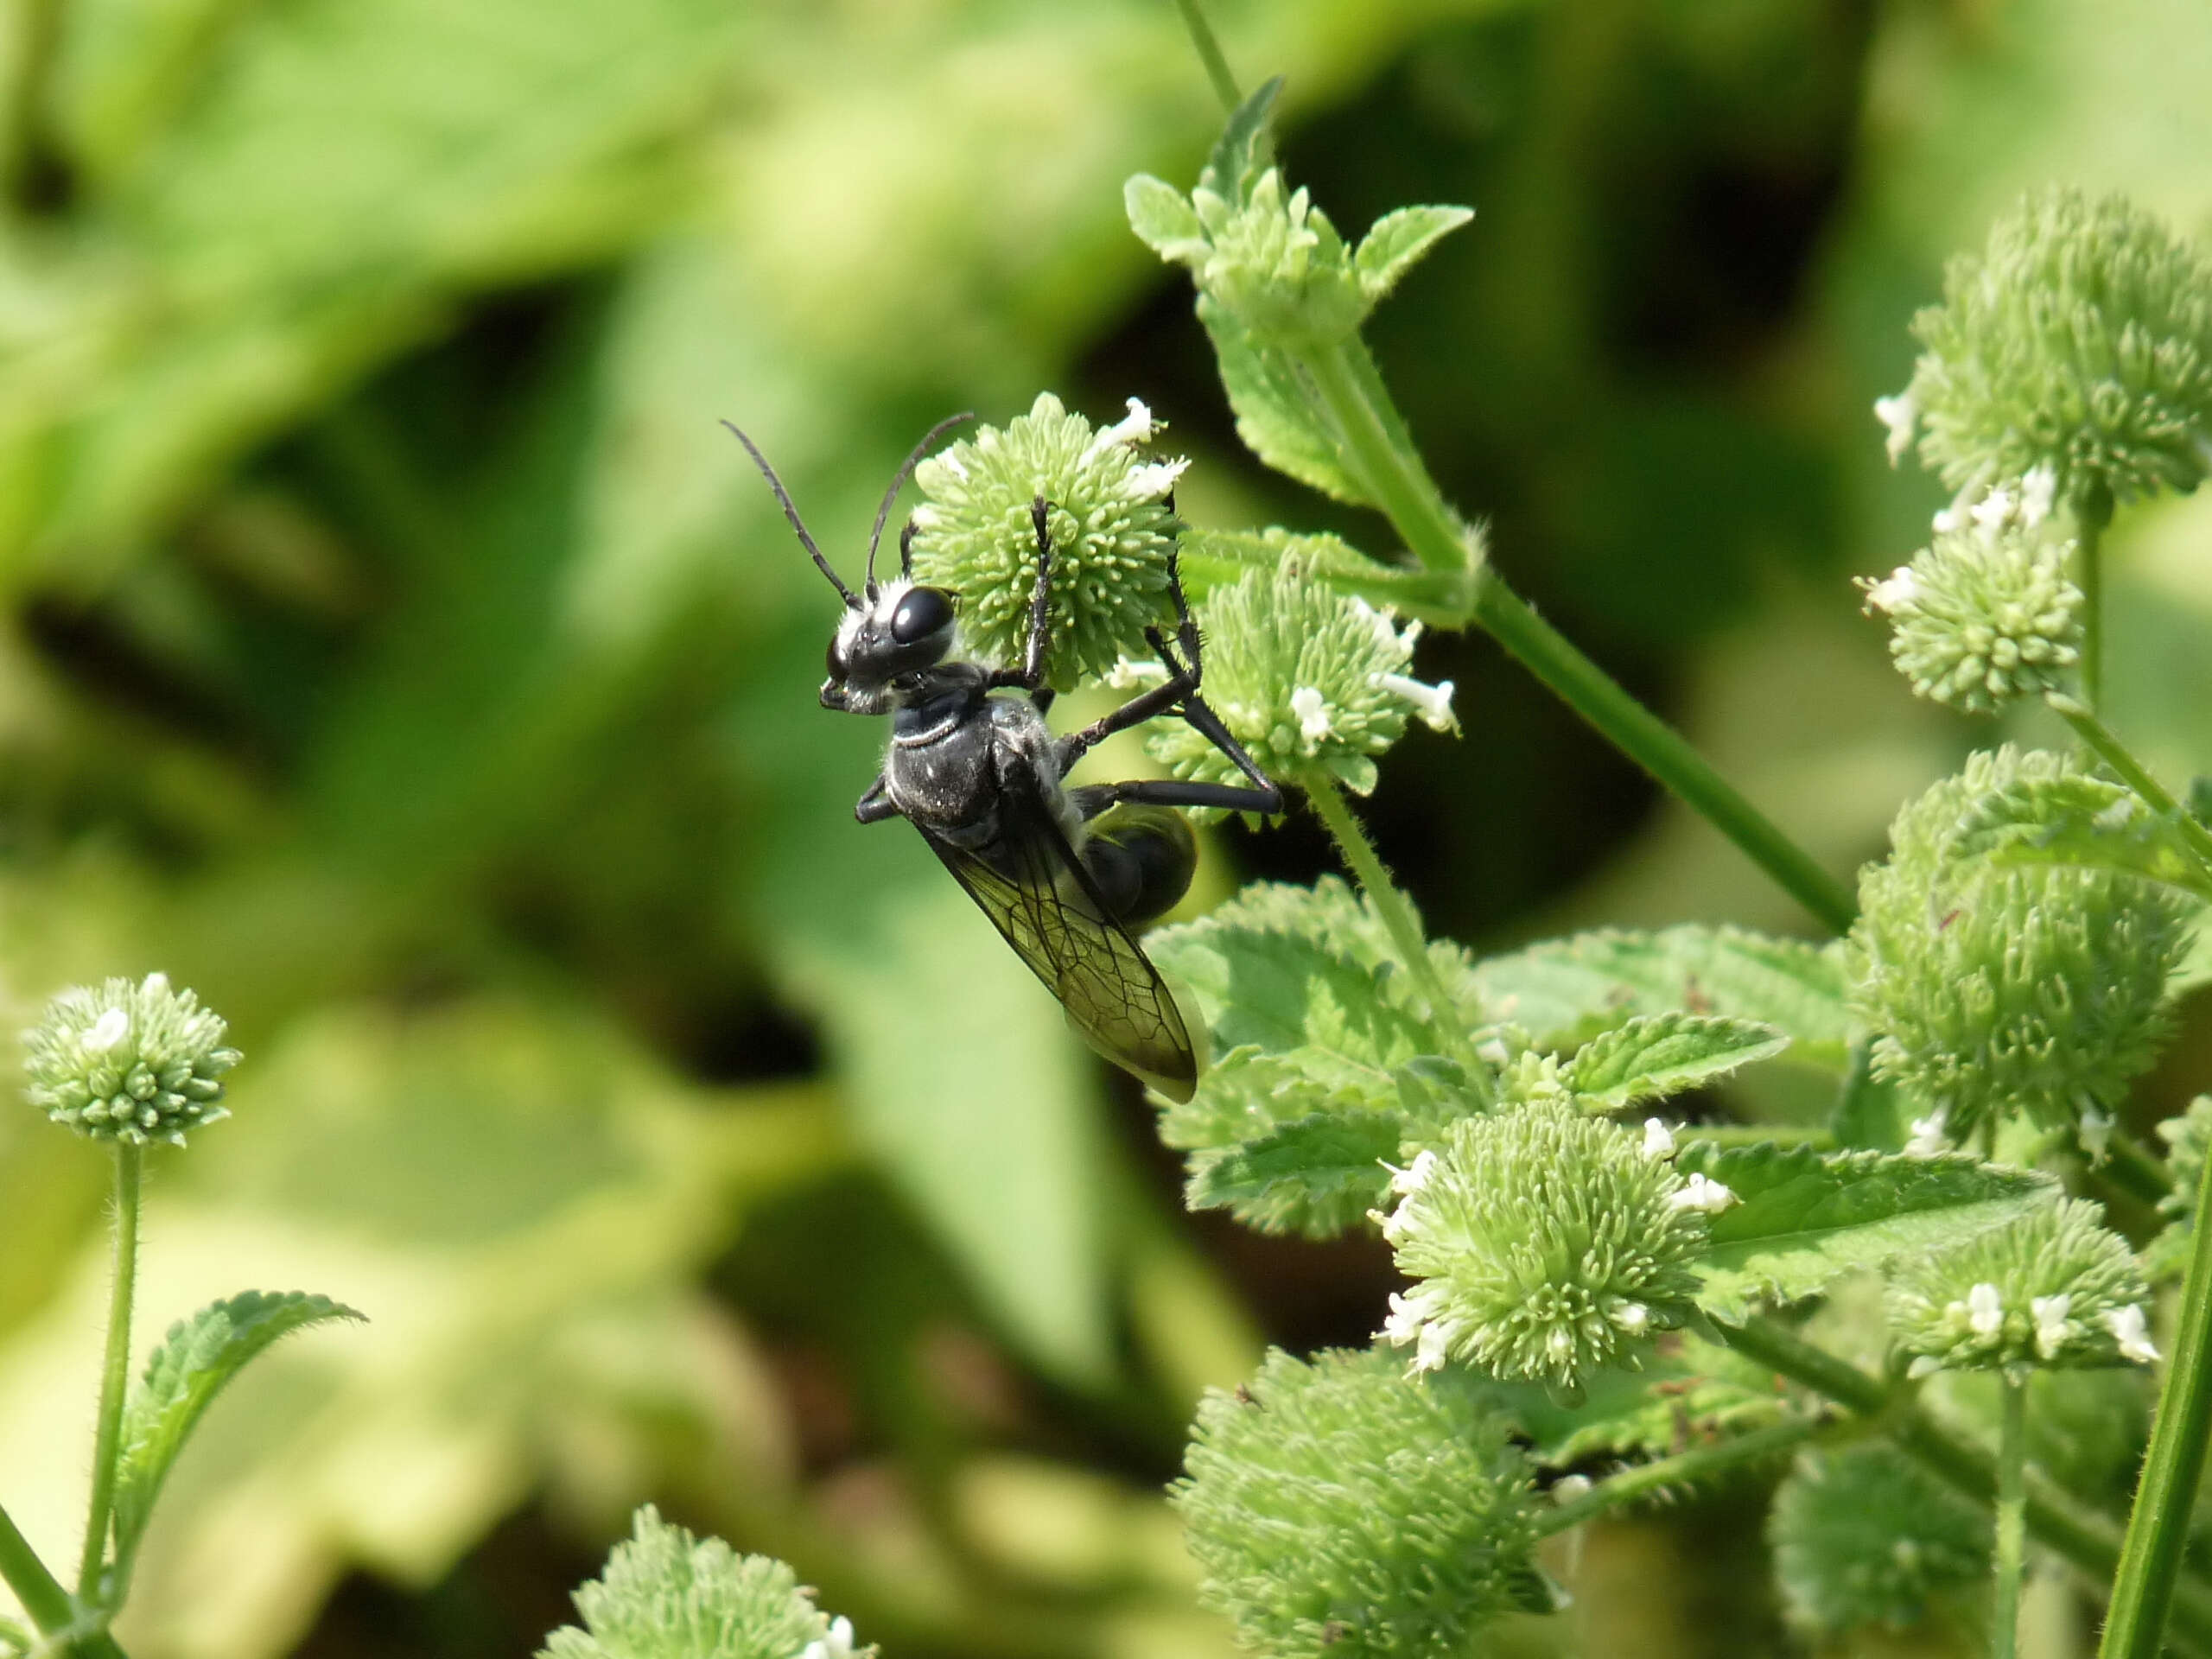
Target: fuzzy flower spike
[(1308, 678), (1109, 514), (130, 1063)]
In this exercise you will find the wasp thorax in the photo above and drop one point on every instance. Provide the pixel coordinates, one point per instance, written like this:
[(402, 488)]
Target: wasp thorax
[(900, 629)]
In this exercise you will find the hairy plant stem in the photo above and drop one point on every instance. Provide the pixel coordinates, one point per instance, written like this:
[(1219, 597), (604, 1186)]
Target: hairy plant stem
[(2091, 514), (2148, 1583), (115, 1374), (1383, 458), (1392, 906), (2011, 1517), (38, 1590), (1683, 1469), (2137, 776), (2059, 1521)]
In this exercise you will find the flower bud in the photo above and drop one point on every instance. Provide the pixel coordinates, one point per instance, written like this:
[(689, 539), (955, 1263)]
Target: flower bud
[(130, 1063), (2079, 339), (1308, 678), (1995, 988), (1339, 1510), (2054, 1287), (1864, 1536), (1109, 516), (1548, 1243)]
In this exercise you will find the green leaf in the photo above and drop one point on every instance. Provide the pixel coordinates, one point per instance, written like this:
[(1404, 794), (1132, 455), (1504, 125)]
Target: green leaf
[(1806, 1218), (1164, 220), (1316, 1176), (1653, 1056), (1397, 241), (1566, 991), (2081, 820), (1277, 416), (199, 1356), (1246, 147)]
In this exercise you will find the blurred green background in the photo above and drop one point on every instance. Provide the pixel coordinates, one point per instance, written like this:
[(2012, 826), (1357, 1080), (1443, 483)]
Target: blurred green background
[(399, 653)]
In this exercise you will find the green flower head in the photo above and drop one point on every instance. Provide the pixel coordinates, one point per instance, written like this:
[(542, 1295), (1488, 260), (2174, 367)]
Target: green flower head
[(2079, 339), (1339, 1510), (668, 1595), (132, 1063), (1111, 517), (1986, 613), (1548, 1244), (1994, 989), (2055, 1288), (1864, 1536), (1308, 678)]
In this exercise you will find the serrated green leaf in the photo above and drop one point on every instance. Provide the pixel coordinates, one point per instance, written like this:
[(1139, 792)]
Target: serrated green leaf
[(1396, 242), (1316, 1176), (1804, 1218), (2082, 821), (1277, 415), (1653, 1056), (1163, 218), (1246, 147), (199, 1356), (1566, 991)]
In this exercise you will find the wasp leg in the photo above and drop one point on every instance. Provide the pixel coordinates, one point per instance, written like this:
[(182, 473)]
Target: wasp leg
[(1095, 798), (1160, 700), (1030, 676), (875, 806)]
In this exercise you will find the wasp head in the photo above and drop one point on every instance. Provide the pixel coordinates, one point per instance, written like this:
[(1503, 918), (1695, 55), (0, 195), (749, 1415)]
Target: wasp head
[(900, 631)]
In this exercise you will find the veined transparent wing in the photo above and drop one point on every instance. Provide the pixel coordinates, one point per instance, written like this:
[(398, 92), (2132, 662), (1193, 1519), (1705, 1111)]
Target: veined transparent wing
[(1038, 895)]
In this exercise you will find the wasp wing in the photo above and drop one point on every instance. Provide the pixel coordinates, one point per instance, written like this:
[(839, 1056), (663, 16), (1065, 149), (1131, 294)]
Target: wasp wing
[(1038, 895)]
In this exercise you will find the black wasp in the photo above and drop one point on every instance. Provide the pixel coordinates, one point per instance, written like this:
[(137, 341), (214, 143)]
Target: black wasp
[(1063, 872)]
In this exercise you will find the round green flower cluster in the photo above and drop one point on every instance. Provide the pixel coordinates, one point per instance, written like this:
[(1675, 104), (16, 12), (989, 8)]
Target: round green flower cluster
[(2055, 1288), (1339, 1510), (1548, 1243), (1983, 615), (1864, 1536), (130, 1063), (670, 1595), (2080, 338), (1998, 988), (1308, 679), (1109, 517)]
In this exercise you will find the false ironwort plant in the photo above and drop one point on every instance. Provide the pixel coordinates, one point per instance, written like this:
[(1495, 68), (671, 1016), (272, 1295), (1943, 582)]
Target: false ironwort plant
[(1594, 1289), (135, 1066)]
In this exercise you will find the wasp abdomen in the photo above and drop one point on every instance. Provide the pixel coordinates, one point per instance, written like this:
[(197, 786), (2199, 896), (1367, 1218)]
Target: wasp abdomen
[(1141, 859)]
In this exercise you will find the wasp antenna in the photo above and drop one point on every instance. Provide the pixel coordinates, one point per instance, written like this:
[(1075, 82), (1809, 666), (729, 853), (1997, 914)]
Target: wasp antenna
[(784, 499), (905, 472)]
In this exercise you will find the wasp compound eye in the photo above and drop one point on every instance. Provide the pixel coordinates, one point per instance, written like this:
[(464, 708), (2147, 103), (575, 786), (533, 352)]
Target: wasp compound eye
[(921, 613)]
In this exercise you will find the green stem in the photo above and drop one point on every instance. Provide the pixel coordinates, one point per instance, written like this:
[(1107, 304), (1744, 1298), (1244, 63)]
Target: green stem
[(1209, 49), (2011, 1517), (38, 1590), (2132, 773), (2091, 515), (2057, 1520), (1385, 461), (2157, 1527), (115, 1376), (1392, 906), (1683, 1469), (2132, 1168)]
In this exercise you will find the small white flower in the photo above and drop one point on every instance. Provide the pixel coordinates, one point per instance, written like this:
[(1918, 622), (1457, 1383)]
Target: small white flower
[(1899, 588), (1135, 427), (1658, 1139), (2051, 1328), (2038, 489), (1700, 1193), (1633, 1318), (2097, 1126), (1991, 513), (2128, 1330), (1568, 1488), (107, 1031), (1432, 1351), (1313, 714), (1410, 1180), (1923, 1365), (1900, 414), (1433, 703), (1126, 676), (1928, 1136), (1409, 1317), (1985, 1310), (1393, 1223), (1153, 480), (838, 1644)]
